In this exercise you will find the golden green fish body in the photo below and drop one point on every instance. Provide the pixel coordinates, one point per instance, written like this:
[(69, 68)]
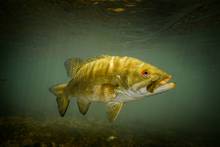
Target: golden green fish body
[(110, 79), (97, 80)]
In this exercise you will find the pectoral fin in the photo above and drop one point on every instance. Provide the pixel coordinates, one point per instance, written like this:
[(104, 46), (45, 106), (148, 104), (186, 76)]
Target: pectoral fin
[(83, 105), (113, 109)]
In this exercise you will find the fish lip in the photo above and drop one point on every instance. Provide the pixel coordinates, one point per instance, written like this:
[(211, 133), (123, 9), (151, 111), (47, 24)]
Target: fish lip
[(155, 84)]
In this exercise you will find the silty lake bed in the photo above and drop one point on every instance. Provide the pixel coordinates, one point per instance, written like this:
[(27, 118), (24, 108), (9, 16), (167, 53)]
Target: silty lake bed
[(26, 131), (181, 37)]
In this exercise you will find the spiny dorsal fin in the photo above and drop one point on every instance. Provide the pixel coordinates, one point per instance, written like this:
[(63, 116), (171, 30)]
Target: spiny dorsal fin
[(96, 58), (72, 65)]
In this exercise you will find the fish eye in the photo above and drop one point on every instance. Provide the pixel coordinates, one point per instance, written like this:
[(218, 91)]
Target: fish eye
[(145, 74)]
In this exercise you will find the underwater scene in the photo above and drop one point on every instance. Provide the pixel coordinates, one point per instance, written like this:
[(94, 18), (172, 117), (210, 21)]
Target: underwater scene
[(110, 73)]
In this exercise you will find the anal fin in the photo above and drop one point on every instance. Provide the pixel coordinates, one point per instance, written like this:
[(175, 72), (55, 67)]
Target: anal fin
[(62, 103), (83, 105), (113, 109)]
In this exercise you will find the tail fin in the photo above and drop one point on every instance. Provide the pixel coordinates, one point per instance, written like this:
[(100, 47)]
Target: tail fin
[(62, 98)]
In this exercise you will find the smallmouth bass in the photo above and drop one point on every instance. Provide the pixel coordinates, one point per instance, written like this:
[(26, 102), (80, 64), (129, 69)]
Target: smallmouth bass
[(113, 80)]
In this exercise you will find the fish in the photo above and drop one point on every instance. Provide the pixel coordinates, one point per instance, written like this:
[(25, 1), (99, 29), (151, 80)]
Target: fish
[(112, 80)]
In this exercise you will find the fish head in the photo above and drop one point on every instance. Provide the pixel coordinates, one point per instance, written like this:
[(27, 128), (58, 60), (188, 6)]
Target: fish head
[(145, 79)]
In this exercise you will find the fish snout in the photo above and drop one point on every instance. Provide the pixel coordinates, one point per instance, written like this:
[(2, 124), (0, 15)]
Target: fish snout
[(165, 80), (157, 83)]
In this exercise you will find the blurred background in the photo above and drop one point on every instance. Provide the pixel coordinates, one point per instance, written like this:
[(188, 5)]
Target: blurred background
[(181, 37)]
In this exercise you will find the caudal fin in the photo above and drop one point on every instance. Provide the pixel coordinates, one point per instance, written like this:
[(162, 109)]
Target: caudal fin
[(62, 98)]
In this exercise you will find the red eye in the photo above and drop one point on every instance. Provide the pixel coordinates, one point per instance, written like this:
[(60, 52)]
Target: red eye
[(145, 74)]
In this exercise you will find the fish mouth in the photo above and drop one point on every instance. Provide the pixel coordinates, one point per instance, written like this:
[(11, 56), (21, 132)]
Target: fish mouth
[(155, 84)]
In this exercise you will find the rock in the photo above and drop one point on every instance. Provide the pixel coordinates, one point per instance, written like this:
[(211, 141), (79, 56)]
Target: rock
[(117, 10)]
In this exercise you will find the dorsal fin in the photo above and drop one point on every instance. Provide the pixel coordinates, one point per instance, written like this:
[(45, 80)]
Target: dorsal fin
[(96, 58), (72, 65)]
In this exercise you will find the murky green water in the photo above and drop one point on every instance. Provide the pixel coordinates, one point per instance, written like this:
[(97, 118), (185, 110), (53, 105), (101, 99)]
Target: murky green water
[(181, 37)]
